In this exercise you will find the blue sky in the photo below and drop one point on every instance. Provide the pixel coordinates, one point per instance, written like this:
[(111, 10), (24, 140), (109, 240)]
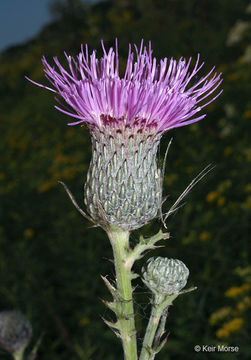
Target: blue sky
[(20, 20)]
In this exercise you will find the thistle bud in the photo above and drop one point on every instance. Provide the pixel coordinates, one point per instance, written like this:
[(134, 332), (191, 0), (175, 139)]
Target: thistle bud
[(124, 184), (165, 276), (15, 331)]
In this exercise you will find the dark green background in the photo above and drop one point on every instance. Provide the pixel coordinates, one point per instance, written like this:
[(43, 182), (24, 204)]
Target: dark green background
[(50, 257)]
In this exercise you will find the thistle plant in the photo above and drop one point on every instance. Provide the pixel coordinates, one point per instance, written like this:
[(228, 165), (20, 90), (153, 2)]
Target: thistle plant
[(15, 333), (127, 116)]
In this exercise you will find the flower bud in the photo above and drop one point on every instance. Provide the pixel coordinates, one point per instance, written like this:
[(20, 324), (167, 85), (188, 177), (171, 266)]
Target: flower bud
[(124, 184), (15, 331), (165, 276)]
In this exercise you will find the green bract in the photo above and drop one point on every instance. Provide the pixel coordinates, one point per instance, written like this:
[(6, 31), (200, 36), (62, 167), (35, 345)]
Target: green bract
[(124, 184)]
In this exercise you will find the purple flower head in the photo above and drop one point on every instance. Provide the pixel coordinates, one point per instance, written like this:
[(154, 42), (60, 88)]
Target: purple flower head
[(157, 96)]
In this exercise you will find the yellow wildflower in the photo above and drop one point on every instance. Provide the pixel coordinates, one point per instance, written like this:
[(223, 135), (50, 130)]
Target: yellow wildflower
[(247, 301), (237, 290), (222, 333), (221, 201), (247, 114), (204, 236), (234, 325), (219, 315), (240, 307), (229, 327), (212, 196)]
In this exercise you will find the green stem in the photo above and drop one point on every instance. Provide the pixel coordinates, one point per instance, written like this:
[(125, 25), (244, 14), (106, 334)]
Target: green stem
[(150, 332), (120, 245), (161, 328), (159, 306), (18, 355)]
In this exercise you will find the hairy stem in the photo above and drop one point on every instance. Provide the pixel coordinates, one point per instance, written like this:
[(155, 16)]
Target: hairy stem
[(158, 308), (120, 245)]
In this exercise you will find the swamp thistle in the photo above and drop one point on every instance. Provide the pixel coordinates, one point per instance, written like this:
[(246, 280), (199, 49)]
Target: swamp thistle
[(127, 116)]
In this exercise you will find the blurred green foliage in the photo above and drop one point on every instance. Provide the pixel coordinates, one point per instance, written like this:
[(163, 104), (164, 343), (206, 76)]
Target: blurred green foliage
[(50, 257)]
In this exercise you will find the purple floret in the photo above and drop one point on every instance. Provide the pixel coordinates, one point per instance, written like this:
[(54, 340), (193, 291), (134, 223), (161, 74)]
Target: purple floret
[(158, 96)]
